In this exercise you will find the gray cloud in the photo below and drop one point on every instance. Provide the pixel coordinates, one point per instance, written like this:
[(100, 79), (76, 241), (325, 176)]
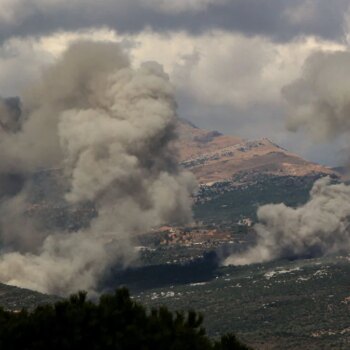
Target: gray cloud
[(280, 20), (10, 114), (319, 100), (111, 130)]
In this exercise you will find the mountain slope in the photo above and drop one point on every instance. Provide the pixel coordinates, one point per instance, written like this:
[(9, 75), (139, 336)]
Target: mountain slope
[(214, 157)]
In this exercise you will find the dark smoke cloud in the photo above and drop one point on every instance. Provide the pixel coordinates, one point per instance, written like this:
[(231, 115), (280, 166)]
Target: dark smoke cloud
[(280, 20), (110, 129), (10, 114)]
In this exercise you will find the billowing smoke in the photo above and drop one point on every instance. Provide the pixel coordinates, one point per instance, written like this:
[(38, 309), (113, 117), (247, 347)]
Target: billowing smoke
[(319, 102), (110, 128), (10, 113), (319, 227)]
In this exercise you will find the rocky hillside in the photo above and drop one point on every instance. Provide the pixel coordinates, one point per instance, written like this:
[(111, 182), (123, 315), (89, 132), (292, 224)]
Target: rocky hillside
[(214, 157)]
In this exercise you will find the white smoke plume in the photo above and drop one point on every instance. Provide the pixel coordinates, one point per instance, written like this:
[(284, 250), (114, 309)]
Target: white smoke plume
[(319, 102), (111, 128)]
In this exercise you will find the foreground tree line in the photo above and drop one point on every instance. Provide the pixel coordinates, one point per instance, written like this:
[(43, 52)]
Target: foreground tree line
[(114, 322)]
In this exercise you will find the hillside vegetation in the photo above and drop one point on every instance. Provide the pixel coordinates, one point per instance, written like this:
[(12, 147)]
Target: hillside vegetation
[(115, 322)]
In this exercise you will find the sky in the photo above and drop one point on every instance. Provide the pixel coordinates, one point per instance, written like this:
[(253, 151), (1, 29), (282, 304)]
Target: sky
[(229, 60)]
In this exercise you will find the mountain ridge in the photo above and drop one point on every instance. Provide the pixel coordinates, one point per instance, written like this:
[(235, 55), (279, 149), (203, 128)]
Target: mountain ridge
[(214, 157)]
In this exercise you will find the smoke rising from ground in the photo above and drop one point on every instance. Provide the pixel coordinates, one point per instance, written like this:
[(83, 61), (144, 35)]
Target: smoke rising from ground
[(319, 227), (111, 129), (319, 102)]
